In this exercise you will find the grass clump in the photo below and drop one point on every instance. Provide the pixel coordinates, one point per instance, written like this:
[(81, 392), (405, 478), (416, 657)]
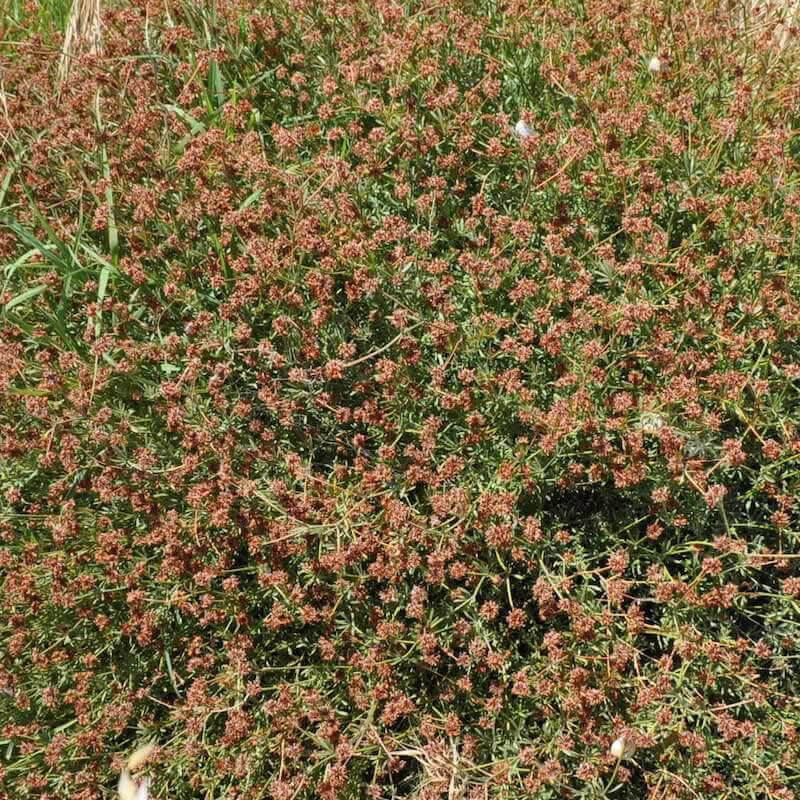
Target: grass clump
[(400, 400)]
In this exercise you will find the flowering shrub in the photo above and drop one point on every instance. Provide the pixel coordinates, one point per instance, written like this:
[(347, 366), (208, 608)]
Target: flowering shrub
[(400, 399)]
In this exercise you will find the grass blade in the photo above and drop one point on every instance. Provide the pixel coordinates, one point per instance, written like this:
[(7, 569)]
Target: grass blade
[(28, 294)]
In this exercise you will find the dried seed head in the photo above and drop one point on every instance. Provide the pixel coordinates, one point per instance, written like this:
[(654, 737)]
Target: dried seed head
[(140, 756), (654, 65)]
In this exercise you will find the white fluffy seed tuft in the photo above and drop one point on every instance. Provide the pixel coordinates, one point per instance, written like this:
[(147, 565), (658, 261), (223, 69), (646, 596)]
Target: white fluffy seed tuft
[(522, 130), (129, 790), (654, 65), (127, 786), (621, 748), (140, 756)]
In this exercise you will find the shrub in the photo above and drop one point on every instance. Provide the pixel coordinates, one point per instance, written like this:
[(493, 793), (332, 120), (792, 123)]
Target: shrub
[(358, 441)]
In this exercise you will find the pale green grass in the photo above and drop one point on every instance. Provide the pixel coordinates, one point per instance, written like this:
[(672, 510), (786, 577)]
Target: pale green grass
[(50, 15)]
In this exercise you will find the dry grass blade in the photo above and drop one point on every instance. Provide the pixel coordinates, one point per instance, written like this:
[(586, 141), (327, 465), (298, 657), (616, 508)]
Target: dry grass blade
[(779, 17), (445, 770), (83, 35)]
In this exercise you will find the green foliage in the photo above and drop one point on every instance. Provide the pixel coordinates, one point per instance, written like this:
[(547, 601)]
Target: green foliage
[(353, 446)]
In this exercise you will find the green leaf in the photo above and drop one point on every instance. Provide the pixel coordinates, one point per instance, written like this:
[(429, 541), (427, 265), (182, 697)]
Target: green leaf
[(102, 284), (10, 269), (113, 235), (28, 294), (45, 250), (6, 182), (216, 85), (248, 201), (194, 125)]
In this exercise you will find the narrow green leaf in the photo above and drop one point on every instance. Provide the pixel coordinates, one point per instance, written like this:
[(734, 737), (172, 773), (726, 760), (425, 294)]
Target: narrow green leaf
[(194, 125), (96, 256), (11, 268), (29, 239), (102, 284), (67, 258), (216, 84), (6, 182), (28, 294), (256, 195), (113, 236)]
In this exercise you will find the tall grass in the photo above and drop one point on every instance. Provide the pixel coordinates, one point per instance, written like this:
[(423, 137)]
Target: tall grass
[(20, 19)]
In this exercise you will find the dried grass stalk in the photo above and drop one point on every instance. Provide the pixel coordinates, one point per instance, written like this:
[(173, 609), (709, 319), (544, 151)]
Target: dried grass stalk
[(769, 22), (84, 35)]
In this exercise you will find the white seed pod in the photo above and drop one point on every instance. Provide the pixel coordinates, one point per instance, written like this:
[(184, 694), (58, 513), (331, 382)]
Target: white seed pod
[(140, 756), (654, 65), (522, 130)]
